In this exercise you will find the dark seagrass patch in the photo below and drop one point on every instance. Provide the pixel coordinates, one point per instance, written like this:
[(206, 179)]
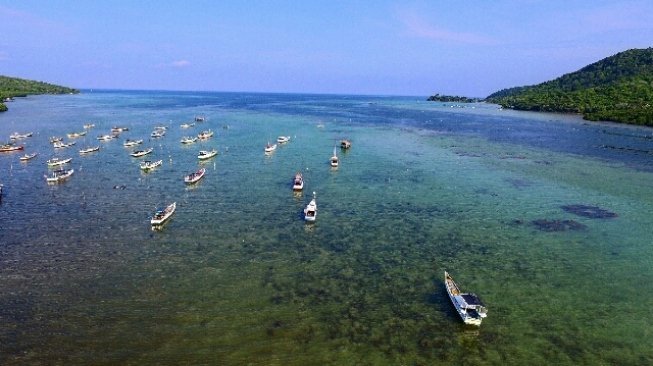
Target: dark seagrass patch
[(593, 212)]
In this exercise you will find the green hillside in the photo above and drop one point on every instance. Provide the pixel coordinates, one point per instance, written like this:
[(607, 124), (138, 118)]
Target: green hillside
[(618, 88), (15, 87)]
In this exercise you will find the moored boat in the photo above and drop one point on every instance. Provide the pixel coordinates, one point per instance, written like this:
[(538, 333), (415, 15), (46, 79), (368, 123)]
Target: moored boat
[(11, 147), (139, 153), (89, 150), (269, 148), (283, 139), (345, 144), (132, 143), (310, 212), (73, 135), (117, 129), (298, 182), (334, 159), (149, 165), (161, 216), (468, 305), (89, 125), (106, 137), (200, 118), (205, 154), (59, 175), (57, 161), (187, 125), (188, 140), (19, 136), (205, 135), (28, 156), (194, 177), (54, 139), (62, 145), (158, 133)]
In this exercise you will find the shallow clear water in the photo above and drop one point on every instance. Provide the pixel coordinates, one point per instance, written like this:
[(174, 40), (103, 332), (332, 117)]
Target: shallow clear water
[(236, 277)]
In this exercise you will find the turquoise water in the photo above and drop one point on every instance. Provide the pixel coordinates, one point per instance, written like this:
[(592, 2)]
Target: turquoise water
[(236, 276)]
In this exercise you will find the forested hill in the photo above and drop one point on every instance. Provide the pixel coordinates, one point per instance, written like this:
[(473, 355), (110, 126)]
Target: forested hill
[(618, 88), (14, 87)]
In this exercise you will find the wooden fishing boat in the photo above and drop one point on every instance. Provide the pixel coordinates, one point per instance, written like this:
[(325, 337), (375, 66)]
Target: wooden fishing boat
[(27, 157), (468, 305), (59, 175), (195, 176), (298, 182), (148, 165), (11, 147), (310, 212), (204, 154), (89, 150), (161, 216), (19, 136), (139, 153), (62, 145), (57, 161)]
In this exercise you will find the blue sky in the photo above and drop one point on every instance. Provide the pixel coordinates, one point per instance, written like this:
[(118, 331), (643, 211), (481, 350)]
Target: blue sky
[(343, 47)]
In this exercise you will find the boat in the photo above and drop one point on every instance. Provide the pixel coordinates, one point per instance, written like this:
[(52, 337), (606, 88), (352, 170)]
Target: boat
[(187, 125), (54, 139), (161, 216), (149, 165), (139, 153), (298, 182), (334, 159), (89, 125), (200, 118), (205, 154), (283, 139), (158, 133), (310, 212), (195, 176), (131, 143), (188, 140), (89, 150), (269, 148), (57, 161), (11, 147), (116, 129), (73, 135), (106, 137), (345, 144), (19, 136), (28, 156), (59, 175), (61, 145), (204, 135), (468, 305)]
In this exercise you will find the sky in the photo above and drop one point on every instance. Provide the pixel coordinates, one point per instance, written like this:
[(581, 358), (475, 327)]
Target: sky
[(416, 48)]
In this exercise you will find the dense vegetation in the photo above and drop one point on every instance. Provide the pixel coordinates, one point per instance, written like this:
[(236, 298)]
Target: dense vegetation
[(618, 88), (15, 87), (450, 98)]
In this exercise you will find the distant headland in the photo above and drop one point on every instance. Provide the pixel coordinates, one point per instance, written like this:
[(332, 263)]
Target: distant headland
[(11, 87), (618, 88)]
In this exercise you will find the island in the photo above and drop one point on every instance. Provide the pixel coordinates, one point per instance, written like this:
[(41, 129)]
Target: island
[(452, 99), (618, 88), (11, 87)]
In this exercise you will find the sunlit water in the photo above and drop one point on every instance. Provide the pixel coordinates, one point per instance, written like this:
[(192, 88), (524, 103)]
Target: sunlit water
[(237, 277)]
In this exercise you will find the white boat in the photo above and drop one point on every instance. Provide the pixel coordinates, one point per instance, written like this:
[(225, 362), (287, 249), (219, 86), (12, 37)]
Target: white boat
[(187, 125), (54, 139), (59, 175), (149, 165), (205, 135), (345, 144), (269, 148), (119, 129), (200, 118), (188, 140), (334, 159), (139, 153), (106, 137), (56, 161), (18, 136), (89, 150), (468, 305), (131, 143), (89, 125), (61, 145), (76, 134), (310, 212), (11, 147), (283, 139), (158, 133), (205, 154), (161, 216), (195, 176), (28, 156), (298, 182)]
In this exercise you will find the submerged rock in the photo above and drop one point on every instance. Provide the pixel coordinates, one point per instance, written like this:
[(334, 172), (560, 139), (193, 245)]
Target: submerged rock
[(558, 225), (593, 212)]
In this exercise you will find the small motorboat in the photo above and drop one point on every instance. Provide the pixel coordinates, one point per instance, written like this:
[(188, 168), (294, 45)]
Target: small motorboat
[(63, 145), (117, 129), (76, 134), (269, 148), (27, 157), (11, 147), (89, 150), (195, 176), (148, 165), (468, 305), (158, 133), (19, 136), (205, 135), (200, 118), (131, 143), (188, 140), (89, 125), (59, 175), (187, 125), (283, 139), (106, 137), (310, 212), (334, 158), (204, 154), (161, 216), (54, 139), (345, 144), (139, 153), (298, 182), (57, 161)]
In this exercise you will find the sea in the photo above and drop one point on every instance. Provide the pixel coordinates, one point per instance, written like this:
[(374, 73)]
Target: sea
[(546, 217)]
